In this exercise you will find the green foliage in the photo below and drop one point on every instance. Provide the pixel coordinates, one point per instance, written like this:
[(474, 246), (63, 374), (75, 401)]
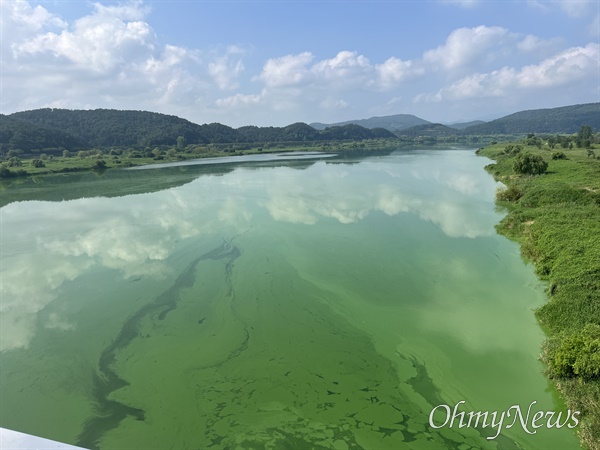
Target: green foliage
[(38, 163), (558, 155), (529, 164), (14, 162), (591, 153), (575, 354), (512, 149), (557, 222), (585, 132), (99, 164), (22, 135), (510, 194), (532, 139), (567, 119), (104, 128)]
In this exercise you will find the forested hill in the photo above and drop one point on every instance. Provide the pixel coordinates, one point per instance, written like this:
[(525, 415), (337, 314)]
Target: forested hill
[(566, 119), (115, 128), (27, 136), (396, 122)]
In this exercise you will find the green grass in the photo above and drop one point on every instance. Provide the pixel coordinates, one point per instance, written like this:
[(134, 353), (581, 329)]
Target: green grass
[(59, 164), (557, 222)]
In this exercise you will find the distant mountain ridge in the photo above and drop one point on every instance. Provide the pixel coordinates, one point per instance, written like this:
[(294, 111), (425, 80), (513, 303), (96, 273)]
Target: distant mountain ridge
[(565, 119), (57, 129), (396, 122), (463, 125), (68, 129)]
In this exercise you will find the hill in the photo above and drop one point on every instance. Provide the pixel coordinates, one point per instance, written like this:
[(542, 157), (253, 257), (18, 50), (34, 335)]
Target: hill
[(429, 129), (27, 136), (101, 128), (463, 125), (566, 119), (393, 123)]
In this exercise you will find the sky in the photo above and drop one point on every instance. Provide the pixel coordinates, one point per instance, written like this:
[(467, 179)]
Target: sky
[(272, 63)]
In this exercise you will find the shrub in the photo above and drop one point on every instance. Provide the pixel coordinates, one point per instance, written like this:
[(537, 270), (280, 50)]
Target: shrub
[(574, 354), (558, 155), (512, 150), (14, 162), (38, 163), (99, 165), (510, 194), (528, 164)]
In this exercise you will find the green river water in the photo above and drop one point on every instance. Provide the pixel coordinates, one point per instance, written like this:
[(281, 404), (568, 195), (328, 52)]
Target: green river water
[(288, 304)]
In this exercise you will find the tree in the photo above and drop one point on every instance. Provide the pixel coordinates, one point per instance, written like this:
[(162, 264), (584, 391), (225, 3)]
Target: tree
[(585, 132), (528, 164), (512, 150), (38, 163), (171, 153), (591, 153), (14, 162), (181, 143), (66, 153), (99, 164)]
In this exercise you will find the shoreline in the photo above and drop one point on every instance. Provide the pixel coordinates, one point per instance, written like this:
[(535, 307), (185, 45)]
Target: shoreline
[(555, 218)]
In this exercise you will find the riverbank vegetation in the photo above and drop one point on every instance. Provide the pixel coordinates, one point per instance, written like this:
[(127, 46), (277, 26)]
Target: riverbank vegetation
[(554, 214), (15, 163)]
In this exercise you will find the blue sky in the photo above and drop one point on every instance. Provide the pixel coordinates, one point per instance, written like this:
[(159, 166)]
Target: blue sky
[(279, 62)]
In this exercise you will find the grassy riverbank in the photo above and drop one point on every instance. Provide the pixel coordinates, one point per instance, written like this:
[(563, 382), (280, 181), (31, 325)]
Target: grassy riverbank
[(556, 219), (101, 159)]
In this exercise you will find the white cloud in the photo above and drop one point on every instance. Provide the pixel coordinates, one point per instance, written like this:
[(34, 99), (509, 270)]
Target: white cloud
[(561, 69), (346, 68), (236, 100), (99, 42), (534, 44), (394, 71), (464, 45), (289, 70), (226, 69)]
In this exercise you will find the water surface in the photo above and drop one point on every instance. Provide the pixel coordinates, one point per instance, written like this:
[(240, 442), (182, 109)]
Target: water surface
[(284, 304)]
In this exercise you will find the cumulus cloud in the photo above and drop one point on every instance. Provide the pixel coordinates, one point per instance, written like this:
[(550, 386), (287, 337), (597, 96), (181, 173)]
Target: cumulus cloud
[(109, 37), (566, 67), (394, 71), (289, 70), (110, 57), (226, 69), (113, 58), (464, 45)]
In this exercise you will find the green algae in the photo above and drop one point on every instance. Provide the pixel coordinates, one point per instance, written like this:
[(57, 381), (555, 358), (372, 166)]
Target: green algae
[(330, 307)]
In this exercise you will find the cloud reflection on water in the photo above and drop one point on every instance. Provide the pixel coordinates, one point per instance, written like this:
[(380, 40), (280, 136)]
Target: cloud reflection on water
[(47, 244)]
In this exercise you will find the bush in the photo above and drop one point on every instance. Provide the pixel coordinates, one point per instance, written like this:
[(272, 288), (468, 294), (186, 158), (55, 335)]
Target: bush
[(528, 164), (511, 194), (558, 155), (512, 150), (38, 163), (14, 162), (99, 165), (575, 354)]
